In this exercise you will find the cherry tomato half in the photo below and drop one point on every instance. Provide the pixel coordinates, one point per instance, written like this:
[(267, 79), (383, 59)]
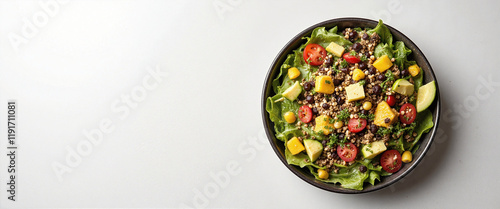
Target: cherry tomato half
[(391, 161), (351, 58), (314, 54), (347, 152), (407, 114), (305, 114), (391, 100), (356, 125)]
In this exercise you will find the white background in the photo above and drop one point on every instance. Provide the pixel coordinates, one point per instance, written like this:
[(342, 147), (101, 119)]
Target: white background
[(203, 117)]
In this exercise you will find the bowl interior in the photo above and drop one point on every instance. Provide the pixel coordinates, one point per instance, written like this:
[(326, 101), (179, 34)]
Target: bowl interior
[(342, 23)]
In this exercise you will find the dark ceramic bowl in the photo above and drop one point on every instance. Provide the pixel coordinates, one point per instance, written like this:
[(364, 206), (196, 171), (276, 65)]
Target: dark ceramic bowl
[(341, 23)]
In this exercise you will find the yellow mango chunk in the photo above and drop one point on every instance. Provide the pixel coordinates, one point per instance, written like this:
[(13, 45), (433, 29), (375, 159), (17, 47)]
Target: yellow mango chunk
[(324, 84), (323, 124), (295, 146), (382, 63), (293, 73), (384, 115), (414, 70), (358, 74)]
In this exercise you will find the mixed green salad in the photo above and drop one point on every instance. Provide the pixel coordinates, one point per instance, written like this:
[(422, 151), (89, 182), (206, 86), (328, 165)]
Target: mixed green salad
[(350, 106)]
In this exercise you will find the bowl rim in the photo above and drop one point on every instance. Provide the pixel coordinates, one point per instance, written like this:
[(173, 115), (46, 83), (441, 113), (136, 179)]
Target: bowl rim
[(270, 129)]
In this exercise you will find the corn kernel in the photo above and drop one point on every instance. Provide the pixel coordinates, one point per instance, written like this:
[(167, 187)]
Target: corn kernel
[(407, 157), (295, 146), (414, 70), (293, 73), (367, 106), (382, 63), (358, 74), (289, 117), (322, 174), (338, 124)]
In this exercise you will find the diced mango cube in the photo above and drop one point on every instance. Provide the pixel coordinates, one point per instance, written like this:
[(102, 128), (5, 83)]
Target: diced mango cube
[(295, 146), (382, 63), (324, 84), (384, 115), (414, 70), (358, 74), (355, 92), (335, 49), (323, 124), (293, 73)]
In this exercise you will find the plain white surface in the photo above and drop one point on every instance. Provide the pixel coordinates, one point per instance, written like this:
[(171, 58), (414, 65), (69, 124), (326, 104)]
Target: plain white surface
[(191, 134)]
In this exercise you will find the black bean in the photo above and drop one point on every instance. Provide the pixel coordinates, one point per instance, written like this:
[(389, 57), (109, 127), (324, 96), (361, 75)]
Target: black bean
[(362, 65), (310, 99), (340, 100), (363, 168), (328, 61), (325, 105), (373, 128), (364, 112), (344, 70), (335, 155), (324, 143), (307, 86), (381, 77), (341, 136), (315, 111), (387, 120), (337, 82), (365, 36), (405, 72), (357, 46), (372, 70), (377, 89), (353, 35)]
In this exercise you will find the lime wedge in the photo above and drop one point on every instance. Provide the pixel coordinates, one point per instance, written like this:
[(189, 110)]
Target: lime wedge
[(426, 94), (403, 87)]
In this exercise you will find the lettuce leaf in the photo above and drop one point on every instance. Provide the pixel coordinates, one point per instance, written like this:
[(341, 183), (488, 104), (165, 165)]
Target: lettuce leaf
[(383, 32), (424, 125), (401, 53)]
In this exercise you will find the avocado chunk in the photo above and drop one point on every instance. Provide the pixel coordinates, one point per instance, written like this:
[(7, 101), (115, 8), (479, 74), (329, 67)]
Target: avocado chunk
[(293, 91), (373, 149), (313, 148), (403, 87), (425, 96)]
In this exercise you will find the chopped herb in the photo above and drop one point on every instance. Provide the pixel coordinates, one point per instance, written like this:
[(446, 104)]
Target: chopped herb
[(367, 117), (343, 115), (362, 82), (353, 53), (357, 104), (333, 140), (363, 58), (389, 77), (328, 82), (344, 64)]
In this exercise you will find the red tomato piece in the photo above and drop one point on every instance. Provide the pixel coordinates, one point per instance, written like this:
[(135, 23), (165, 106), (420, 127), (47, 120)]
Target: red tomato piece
[(314, 54), (391, 161), (391, 100), (356, 125), (407, 114), (347, 152), (351, 58), (305, 114)]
